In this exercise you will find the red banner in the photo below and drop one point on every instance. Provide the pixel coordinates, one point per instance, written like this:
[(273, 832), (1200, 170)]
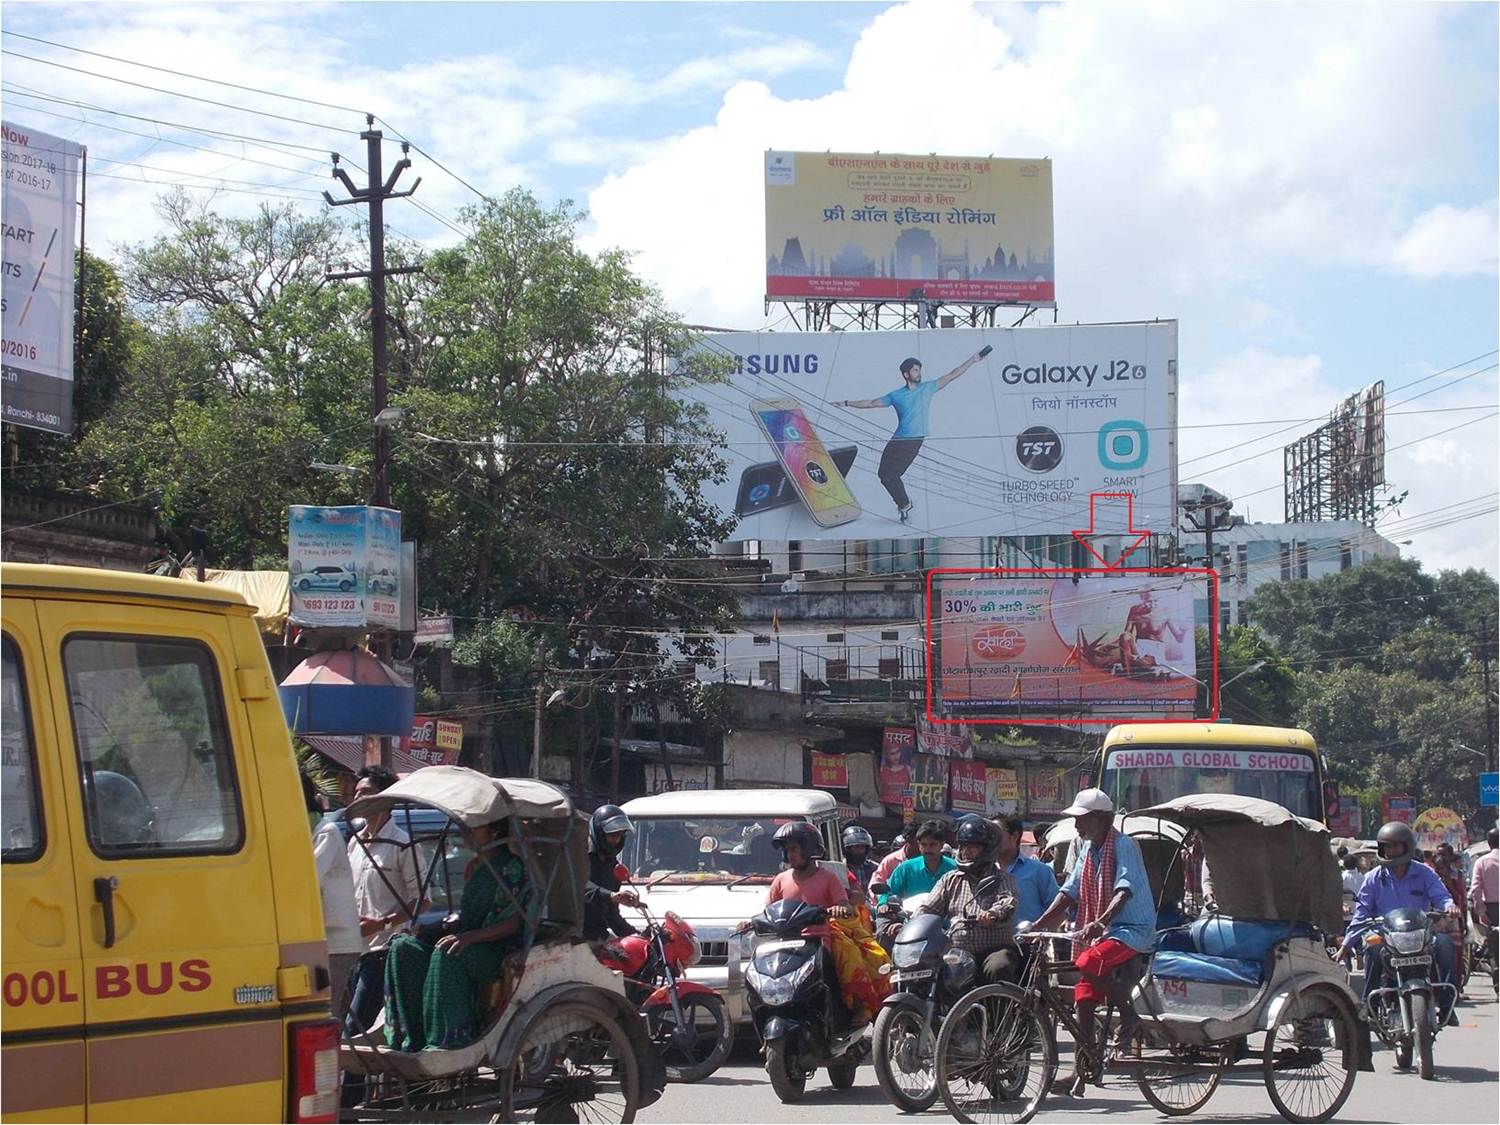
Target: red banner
[(1397, 806), (829, 771), (434, 741), (896, 747), (966, 786)]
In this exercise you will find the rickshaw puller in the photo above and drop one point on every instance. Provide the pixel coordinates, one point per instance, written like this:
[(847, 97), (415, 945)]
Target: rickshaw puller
[(1112, 930)]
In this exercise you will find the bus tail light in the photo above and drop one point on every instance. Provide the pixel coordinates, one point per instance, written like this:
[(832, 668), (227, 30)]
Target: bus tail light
[(314, 1077)]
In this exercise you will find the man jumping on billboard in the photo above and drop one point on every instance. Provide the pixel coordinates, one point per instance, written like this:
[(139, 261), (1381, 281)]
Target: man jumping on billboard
[(1143, 642), (911, 403)]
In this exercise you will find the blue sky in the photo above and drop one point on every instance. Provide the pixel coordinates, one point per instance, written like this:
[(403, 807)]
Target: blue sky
[(1310, 189)]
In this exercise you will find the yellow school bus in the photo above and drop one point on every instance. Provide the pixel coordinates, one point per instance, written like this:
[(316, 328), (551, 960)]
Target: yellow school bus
[(163, 948), (1143, 764)]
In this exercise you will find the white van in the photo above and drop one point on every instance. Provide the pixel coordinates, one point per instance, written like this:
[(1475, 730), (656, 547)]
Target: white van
[(707, 855)]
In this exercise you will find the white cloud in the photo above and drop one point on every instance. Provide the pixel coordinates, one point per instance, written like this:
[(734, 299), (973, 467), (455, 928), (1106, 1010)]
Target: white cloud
[(1449, 242)]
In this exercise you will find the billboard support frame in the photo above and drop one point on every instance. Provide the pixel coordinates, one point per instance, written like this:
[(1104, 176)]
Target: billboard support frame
[(1069, 572), (842, 316)]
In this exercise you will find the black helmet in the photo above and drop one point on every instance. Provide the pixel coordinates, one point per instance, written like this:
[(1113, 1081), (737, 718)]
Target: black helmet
[(1396, 832), (803, 833), (857, 837), (607, 819), (974, 829)]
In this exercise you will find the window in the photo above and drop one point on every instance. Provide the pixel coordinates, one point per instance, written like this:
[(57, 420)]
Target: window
[(20, 800), (153, 747), (1224, 621), (888, 668), (793, 556), (1286, 562), (1241, 562), (770, 673), (761, 639), (1346, 555), (890, 635), (1301, 560), (834, 638), (837, 669)]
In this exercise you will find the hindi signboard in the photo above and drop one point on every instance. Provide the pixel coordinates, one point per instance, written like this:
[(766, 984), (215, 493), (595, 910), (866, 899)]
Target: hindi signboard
[(896, 747), (345, 565), (1006, 432), (1439, 826), (1112, 645), (1002, 791), (966, 786), (829, 771), (40, 205), (434, 741), (875, 226), (929, 783)]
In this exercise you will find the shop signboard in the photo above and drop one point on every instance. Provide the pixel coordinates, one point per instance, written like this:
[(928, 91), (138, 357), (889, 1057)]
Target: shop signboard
[(896, 747), (829, 771), (929, 784), (434, 741), (1046, 790), (1439, 826), (966, 786), (1397, 806), (1002, 791)]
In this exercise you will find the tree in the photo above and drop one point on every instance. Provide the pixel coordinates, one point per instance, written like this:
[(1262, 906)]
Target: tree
[(1266, 696)]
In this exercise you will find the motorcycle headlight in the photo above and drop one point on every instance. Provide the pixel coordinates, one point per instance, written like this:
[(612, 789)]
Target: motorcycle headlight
[(907, 956), (1406, 941), (780, 990)]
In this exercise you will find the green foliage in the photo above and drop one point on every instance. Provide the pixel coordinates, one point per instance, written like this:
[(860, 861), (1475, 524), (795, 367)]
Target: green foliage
[(1266, 696)]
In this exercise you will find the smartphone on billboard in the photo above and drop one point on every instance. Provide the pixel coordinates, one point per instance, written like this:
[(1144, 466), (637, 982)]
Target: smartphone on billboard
[(766, 486), (807, 463)]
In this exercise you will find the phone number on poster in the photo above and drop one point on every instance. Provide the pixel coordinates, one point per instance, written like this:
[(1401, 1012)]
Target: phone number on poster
[(329, 605)]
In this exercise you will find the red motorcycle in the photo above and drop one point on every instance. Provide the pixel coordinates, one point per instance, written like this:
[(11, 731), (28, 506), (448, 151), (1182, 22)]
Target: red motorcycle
[(687, 1020)]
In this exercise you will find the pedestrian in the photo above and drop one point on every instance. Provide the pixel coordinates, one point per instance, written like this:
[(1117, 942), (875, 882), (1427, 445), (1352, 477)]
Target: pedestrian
[(1116, 920), (336, 890), (912, 402), (1484, 890)]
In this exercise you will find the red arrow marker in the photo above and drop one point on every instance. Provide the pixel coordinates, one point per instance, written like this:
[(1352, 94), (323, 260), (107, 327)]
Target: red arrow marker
[(1130, 529)]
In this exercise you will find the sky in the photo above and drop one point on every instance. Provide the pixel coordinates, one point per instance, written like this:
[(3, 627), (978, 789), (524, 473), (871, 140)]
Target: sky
[(1310, 190)]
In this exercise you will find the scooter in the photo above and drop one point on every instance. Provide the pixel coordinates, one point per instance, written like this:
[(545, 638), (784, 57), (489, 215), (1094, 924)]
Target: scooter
[(792, 989), (1406, 1011), (687, 1020), (927, 977)]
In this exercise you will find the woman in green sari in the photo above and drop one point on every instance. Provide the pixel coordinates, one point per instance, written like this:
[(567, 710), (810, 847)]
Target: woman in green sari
[(432, 991)]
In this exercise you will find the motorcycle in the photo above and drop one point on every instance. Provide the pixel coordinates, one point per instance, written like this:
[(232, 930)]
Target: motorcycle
[(1404, 1011), (686, 1020), (791, 987), (927, 977), (1480, 957)]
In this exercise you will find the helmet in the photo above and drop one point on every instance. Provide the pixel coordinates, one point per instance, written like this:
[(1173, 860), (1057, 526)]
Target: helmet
[(899, 842), (1396, 832), (857, 837), (973, 829), (607, 819), (803, 833)]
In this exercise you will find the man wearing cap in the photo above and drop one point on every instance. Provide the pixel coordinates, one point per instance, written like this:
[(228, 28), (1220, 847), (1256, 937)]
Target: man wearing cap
[(1115, 918)]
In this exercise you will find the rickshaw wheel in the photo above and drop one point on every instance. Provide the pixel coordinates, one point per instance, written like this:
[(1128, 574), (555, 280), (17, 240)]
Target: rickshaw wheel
[(1176, 1080), (592, 1073), (994, 1057), (1310, 1056)]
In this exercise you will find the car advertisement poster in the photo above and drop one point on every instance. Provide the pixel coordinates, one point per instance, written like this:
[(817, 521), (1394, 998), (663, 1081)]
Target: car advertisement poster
[(906, 434), (344, 566), (1027, 647), (853, 226)]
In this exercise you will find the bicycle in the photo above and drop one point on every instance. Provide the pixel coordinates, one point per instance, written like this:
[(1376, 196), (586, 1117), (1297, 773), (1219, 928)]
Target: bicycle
[(997, 1050)]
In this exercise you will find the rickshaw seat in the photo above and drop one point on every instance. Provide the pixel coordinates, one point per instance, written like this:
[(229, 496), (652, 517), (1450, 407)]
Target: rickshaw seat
[(1221, 950)]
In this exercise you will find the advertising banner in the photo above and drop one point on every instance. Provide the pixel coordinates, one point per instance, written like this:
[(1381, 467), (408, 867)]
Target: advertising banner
[(946, 741), (929, 784), (1439, 826), (1397, 806), (1002, 791), (40, 197), (896, 746), (880, 435), (1028, 646), (871, 226), (345, 565), (434, 741), (1046, 787), (966, 787), (829, 771)]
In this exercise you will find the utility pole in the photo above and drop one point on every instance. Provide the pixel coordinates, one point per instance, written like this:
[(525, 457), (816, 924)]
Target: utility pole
[(374, 195), (1213, 509)]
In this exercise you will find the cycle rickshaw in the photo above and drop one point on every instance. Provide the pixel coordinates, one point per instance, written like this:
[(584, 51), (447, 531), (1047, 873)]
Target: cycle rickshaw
[(1256, 974), (561, 1041)]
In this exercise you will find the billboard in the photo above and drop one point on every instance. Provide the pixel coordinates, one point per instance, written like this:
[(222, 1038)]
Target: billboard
[(881, 435), (896, 746), (829, 771), (1336, 471), (1047, 647), (345, 565), (846, 226), (1437, 826), (434, 741), (40, 197)]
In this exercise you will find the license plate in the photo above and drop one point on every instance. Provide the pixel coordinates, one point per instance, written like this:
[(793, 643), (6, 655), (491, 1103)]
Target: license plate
[(778, 946), (1408, 962), (913, 974)]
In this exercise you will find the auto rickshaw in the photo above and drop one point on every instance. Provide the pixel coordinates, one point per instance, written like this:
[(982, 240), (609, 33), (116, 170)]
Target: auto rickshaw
[(562, 1042)]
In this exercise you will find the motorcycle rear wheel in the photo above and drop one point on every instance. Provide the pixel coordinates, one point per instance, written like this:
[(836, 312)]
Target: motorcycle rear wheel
[(788, 1083)]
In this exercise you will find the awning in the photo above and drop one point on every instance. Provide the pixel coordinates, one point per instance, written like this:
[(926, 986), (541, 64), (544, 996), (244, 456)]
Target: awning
[(347, 692), (267, 590), (348, 751)]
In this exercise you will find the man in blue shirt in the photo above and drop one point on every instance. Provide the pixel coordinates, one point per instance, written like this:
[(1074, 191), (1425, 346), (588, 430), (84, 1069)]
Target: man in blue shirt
[(918, 875), (911, 402), (1116, 919), (1036, 886), (1398, 881)]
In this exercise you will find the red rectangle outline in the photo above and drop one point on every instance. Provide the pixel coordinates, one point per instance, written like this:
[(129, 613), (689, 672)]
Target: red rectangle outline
[(1068, 572)]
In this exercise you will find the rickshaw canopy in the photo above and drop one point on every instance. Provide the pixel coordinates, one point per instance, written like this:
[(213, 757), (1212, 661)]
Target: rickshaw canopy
[(1265, 862), (470, 797)]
